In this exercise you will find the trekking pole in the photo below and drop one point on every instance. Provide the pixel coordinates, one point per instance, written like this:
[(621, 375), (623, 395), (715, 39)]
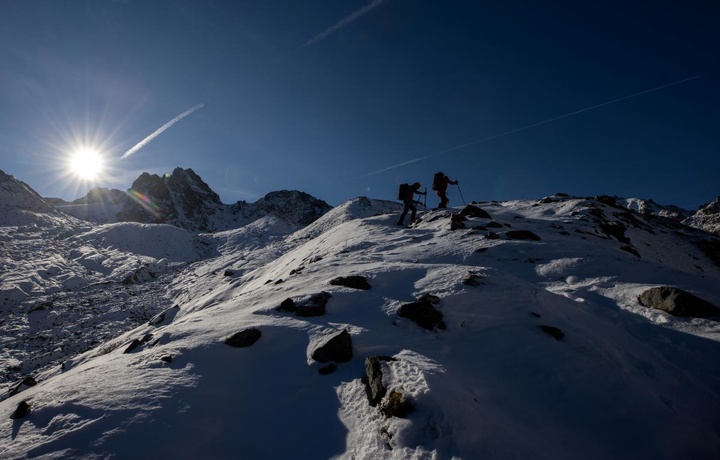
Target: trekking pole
[(461, 195)]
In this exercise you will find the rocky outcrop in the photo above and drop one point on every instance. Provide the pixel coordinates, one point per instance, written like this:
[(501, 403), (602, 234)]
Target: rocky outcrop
[(354, 282), (707, 217), (423, 313), (677, 302), (336, 349), (315, 305), (374, 378), (244, 338)]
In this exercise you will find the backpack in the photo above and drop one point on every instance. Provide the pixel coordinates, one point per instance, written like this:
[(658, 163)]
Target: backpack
[(403, 191), (437, 180)]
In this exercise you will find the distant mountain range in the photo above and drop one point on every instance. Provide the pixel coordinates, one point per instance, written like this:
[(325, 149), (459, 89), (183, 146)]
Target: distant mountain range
[(183, 199)]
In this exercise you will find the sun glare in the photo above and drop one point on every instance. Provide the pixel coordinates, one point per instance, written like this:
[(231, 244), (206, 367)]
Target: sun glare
[(86, 164)]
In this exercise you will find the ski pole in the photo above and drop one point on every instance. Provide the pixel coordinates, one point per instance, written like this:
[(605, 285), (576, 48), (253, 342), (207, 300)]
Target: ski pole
[(461, 195), (425, 202)]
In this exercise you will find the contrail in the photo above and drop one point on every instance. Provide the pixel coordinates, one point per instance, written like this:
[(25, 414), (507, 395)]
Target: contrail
[(549, 120), (160, 130), (345, 21)]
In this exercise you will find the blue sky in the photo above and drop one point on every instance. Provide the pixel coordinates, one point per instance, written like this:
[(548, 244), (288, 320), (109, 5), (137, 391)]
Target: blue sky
[(327, 96)]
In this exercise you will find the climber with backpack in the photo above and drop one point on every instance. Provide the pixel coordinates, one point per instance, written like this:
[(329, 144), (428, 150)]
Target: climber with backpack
[(440, 183), (407, 193)]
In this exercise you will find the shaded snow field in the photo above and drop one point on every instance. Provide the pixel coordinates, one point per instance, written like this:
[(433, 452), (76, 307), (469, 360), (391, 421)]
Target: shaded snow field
[(623, 382)]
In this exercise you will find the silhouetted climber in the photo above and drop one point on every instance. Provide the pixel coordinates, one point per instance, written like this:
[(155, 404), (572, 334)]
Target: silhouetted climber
[(440, 183), (407, 194)]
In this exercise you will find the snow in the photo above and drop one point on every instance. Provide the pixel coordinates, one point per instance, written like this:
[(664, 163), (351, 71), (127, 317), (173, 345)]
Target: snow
[(624, 381)]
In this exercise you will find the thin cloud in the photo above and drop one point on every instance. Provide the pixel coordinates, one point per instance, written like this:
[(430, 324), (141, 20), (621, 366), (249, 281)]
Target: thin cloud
[(345, 21), (160, 130)]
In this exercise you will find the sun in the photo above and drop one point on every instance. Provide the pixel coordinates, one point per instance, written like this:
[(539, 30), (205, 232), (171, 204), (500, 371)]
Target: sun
[(86, 164)]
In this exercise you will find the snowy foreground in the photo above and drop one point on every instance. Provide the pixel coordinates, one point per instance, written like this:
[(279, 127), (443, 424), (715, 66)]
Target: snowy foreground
[(622, 382)]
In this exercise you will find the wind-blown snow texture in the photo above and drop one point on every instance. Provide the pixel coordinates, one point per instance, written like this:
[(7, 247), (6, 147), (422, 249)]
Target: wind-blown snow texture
[(123, 326)]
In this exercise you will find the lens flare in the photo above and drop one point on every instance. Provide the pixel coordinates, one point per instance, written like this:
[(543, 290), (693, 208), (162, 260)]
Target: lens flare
[(87, 164)]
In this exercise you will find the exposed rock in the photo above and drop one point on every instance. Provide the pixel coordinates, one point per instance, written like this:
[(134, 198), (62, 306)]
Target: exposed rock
[(287, 305), (244, 338), (183, 199), (22, 410), (165, 317), (553, 331), (608, 200), (707, 217), (457, 222), (338, 348), (315, 305), (397, 405), (677, 302), (522, 235), (473, 280), (616, 230), (423, 313), (354, 282), (21, 385), (133, 345), (475, 211), (374, 378)]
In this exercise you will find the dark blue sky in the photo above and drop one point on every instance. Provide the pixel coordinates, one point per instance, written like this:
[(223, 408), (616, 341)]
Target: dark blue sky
[(321, 95)]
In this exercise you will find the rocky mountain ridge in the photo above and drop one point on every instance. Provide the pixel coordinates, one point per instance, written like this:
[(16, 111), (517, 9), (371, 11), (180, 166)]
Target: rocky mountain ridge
[(183, 199)]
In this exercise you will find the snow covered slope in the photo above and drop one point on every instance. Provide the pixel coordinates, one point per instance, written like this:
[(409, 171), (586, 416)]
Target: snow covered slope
[(541, 351)]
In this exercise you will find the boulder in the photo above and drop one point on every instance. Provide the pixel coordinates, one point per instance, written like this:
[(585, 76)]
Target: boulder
[(397, 405), (22, 410), (315, 305), (21, 385), (475, 211), (677, 302), (354, 282), (338, 349), (374, 378), (423, 313), (244, 338)]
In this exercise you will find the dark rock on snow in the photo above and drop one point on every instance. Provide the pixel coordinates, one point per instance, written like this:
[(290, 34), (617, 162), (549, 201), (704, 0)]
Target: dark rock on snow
[(22, 410), (554, 332), (677, 302), (397, 405), (374, 378), (423, 313), (244, 338), (475, 211), (338, 348), (354, 282), (315, 305)]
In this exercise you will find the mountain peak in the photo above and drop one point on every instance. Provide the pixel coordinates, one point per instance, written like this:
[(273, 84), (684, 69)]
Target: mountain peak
[(183, 199)]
